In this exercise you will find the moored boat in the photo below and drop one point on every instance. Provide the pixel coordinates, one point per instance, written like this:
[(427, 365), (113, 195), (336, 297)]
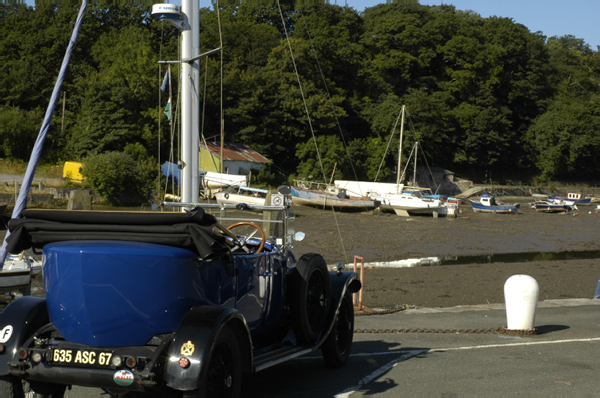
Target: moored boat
[(240, 194), (488, 204), (310, 193), (571, 199), (453, 200), (406, 204), (550, 207)]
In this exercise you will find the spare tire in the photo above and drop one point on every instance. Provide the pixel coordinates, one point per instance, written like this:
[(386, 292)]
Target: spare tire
[(309, 297)]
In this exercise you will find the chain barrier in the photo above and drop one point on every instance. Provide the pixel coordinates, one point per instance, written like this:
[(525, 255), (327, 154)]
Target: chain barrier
[(500, 330), (367, 311)]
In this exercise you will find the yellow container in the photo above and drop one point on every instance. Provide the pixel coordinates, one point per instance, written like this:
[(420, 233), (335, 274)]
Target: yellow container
[(72, 172)]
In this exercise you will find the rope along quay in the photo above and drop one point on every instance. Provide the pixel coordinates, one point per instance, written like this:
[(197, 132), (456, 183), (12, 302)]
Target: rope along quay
[(500, 330)]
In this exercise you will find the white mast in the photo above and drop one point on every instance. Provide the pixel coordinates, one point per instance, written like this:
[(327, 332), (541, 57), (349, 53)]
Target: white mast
[(190, 48), (189, 26), (415, 171), (399, 175)]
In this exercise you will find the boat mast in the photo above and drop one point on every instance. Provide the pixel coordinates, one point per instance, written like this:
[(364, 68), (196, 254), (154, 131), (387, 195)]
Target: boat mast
[(415, 170), (400, 151), (190, 104)]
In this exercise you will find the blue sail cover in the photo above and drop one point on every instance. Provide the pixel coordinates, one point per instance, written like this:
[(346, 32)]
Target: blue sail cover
[(39, 143), (172, 172)]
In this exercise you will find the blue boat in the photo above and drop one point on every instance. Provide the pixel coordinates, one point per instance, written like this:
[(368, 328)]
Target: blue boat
[(487, 204), (551, 207), (571, 199)]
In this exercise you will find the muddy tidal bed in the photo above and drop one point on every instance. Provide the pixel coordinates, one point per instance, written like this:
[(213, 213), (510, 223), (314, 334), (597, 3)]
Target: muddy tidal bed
[(382, 237)]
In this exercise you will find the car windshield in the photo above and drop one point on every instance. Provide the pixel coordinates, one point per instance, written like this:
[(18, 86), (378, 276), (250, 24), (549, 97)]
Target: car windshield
[(277, 222)]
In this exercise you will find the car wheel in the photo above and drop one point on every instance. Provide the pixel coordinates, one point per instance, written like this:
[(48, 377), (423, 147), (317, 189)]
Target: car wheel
[(310, 295), (47, 390), (223, 375), (11, 387), (337, 346)]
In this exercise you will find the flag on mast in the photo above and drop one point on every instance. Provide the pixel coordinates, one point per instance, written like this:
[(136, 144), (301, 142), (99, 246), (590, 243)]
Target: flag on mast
[(163, 86), (168, 109)]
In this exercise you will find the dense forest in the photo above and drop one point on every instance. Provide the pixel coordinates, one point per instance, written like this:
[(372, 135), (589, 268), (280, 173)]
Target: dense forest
[(486, 98)]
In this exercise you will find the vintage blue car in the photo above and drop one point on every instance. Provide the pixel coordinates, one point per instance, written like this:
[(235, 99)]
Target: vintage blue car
[(170, 302)]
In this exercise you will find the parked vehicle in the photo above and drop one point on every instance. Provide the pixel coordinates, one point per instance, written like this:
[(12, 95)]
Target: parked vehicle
[(72, 172), (164, 302), (170, 303)]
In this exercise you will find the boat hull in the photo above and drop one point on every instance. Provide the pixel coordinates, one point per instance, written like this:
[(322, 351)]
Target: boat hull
[(479, 208), (407, 204), (552, 208), (232, 198), (301, 197), (569, 201)]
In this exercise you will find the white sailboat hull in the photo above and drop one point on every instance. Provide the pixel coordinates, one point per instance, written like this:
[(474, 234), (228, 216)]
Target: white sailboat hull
[(406, 204), (214, 180)]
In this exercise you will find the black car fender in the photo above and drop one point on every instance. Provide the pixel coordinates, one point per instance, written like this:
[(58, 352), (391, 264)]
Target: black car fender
[(19, 320), (341, 283), (193, 342)]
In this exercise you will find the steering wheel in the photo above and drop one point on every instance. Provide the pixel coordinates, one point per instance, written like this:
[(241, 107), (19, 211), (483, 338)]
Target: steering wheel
[(242, 242)]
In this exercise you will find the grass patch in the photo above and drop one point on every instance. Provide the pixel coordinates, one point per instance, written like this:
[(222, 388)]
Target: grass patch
[(19, 167)]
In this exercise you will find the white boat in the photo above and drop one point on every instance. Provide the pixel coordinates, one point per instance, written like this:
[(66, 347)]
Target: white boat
[(398, 198), (17, 271), (367, 188), (239, 194), (571, 199), (311, 193), (542, 206), (406, 204), (413, 201), (215, 181)]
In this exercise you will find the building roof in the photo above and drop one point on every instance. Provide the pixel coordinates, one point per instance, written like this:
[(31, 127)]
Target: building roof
[(233, 152)]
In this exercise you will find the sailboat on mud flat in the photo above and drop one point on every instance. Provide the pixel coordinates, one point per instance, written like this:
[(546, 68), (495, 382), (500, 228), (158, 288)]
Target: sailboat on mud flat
[(405, 203), (411, 201), (398, 198), (316, 194)]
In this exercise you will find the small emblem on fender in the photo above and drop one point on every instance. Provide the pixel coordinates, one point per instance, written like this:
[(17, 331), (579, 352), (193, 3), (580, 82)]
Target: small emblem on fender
[(5, 333), (187, 348), (123, 378)]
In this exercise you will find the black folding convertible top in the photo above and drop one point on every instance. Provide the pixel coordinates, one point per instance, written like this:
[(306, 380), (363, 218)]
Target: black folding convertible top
[(192, 230)]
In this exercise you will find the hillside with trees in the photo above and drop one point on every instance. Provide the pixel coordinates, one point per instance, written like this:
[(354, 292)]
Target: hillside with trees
[(486, 98)]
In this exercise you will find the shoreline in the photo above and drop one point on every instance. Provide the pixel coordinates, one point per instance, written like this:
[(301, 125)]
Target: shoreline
[(536, 237)]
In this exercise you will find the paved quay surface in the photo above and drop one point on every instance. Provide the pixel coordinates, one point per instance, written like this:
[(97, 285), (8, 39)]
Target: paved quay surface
[(561, 360)]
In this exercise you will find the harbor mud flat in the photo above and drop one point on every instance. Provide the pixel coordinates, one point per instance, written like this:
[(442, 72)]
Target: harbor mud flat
[(385, 237), (534, 240)]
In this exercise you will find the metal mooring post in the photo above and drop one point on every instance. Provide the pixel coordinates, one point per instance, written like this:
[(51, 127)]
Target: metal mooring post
[(362, 275)]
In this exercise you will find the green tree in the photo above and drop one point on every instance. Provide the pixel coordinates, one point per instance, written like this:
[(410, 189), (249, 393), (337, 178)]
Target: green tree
[(114, 176), (331, 154), (111, 114), (18, 132)]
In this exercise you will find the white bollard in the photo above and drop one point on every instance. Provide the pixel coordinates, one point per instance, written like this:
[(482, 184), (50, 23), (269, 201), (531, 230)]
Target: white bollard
[(521, 294)]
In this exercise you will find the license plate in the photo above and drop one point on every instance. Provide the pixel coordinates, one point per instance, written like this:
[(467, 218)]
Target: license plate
[(81, 357)]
